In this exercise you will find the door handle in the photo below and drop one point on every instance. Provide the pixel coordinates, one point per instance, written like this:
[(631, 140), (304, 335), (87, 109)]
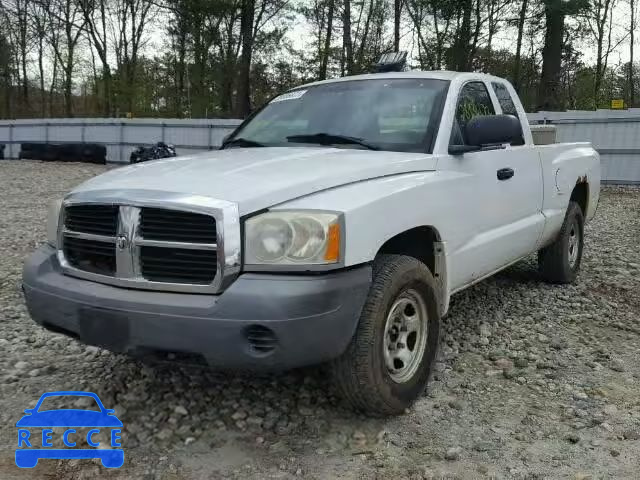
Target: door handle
[(505, 173)]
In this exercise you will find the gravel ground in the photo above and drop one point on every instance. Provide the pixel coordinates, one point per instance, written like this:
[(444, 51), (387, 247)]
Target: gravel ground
[(534, 381)]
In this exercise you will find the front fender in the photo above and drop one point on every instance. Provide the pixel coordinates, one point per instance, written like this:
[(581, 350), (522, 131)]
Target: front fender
[(379, 209)]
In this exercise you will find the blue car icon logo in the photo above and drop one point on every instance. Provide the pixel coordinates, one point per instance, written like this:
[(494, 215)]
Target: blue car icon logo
[(33, 445)]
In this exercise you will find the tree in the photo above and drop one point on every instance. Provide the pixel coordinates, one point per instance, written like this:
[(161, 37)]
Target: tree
[(460, 52), (632, 26), (397, 13), (347, 42), (324, 60), (132, 17), (599, 21), (6, 67), (246, 33), (516, 65), (95, 15), (66, 17)]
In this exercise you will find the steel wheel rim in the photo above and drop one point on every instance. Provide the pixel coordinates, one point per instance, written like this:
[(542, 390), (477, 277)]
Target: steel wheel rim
[(405, 336), (573, 244)]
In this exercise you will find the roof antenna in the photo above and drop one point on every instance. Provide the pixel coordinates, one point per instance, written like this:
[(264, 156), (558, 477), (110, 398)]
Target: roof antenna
[(391, 62)]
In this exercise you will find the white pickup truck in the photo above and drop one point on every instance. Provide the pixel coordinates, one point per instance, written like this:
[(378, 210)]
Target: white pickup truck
[(333, 226)]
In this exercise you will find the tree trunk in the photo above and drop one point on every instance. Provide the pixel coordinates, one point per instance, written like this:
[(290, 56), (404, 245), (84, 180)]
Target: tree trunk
[(601, 60), (439, 47), (476, 36), (397, 12), (493, 27), (460, 51), (54, 79), (43, 98), (25, 80), (180, 71), (243, 105), (632, 95), (347, 43), (517, 60), (322, 75), (549, 88), (68, 83), (597, 81), (106, 73), (106, 79), (229, 71), (365, 34)]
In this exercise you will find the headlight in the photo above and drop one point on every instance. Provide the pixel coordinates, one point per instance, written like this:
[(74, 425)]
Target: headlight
[(53, 217), (293, 238)]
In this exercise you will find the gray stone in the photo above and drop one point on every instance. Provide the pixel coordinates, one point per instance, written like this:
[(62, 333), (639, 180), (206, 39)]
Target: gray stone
[(453, 453), (180, 410)]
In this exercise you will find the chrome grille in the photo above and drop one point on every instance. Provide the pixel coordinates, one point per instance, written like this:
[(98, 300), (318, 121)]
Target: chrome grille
[(176, 226), (91, 255), (178, 265), (146, 247), (95, 219)]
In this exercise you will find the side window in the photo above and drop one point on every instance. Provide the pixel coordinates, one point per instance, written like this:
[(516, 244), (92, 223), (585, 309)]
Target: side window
[(474, 100), (506, 104)]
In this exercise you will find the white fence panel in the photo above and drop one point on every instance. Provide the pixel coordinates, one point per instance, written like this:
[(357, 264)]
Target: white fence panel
[(120, 136), (614, 133)]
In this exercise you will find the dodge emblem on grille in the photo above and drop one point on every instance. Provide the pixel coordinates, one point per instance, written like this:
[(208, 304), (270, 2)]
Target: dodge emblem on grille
[(121, 242)]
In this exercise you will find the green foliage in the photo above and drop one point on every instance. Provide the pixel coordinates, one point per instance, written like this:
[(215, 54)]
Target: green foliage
[(469, 109)]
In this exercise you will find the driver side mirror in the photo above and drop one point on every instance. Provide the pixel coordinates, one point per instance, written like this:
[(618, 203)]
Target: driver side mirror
[(488, 131)]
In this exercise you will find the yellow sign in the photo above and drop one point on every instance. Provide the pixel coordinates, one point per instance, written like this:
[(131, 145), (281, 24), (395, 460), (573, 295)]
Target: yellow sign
[(617, 104)]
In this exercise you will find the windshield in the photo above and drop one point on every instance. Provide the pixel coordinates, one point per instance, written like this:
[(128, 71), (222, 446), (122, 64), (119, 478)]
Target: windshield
[(387, 114)]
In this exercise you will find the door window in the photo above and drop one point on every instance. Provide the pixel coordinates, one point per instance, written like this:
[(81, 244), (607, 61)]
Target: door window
[(474, 100), (506, 104)]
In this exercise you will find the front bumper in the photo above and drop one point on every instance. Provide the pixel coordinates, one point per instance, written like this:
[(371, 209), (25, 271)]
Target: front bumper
[(262, 321)]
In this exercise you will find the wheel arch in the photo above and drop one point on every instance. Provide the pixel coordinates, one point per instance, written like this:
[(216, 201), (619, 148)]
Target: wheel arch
[(425, 244), (580, 194)]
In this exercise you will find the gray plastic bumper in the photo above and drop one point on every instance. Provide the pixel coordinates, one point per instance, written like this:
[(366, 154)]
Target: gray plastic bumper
[(262, 321)]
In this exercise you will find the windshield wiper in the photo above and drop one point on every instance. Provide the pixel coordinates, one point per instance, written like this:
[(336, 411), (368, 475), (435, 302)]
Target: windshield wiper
[(242, 142), (329, 139)]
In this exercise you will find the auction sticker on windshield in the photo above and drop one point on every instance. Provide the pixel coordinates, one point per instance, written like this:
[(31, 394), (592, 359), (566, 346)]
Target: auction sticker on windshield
[(289, 96), (69, 425)]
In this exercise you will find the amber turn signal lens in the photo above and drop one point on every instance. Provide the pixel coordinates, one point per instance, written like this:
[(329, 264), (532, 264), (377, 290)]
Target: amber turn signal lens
[(332, 254)]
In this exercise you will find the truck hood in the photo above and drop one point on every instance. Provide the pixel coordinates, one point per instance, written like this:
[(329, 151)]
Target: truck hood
[(257, 178)]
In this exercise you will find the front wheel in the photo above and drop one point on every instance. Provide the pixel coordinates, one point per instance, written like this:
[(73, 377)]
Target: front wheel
[(560, 261), (389, 360)]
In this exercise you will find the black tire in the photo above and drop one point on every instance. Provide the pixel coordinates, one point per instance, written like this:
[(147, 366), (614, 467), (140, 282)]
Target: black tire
[(360, 374), (556, 262)]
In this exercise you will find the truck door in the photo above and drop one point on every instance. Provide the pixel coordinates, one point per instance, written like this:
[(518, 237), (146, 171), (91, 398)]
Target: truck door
[(504, 214)]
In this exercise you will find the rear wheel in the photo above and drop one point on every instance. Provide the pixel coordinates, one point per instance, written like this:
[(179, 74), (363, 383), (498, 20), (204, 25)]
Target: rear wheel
[(389, 360), (560, 261)]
